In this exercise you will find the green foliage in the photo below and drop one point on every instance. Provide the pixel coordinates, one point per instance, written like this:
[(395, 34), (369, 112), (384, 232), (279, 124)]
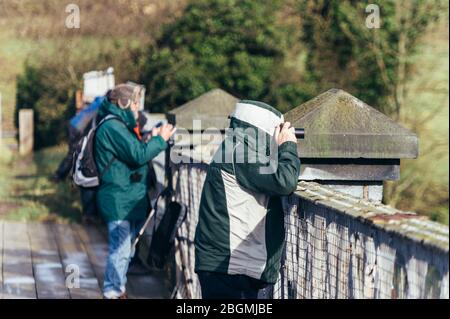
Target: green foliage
[(239, 46), (50, 79), (51, 106), (5, 155), (250, 48), (372, 64)]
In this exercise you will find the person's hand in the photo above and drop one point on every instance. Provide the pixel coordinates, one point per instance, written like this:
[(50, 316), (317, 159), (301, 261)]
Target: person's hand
[(155, 131), (285, 133), (166, 131)]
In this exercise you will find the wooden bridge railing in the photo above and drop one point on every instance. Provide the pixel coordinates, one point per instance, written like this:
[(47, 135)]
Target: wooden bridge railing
[(341, 242), (337, 246)]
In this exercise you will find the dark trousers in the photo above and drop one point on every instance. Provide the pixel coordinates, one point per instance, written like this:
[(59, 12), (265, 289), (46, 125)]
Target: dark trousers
[(66, 163), (223, 286), (88, 201)]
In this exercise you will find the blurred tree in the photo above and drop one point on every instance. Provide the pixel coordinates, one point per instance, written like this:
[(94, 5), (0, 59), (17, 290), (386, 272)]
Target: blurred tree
[(371, 63), (239, 46), (376, 64), (48, 103), (112, 33), (50, 79)]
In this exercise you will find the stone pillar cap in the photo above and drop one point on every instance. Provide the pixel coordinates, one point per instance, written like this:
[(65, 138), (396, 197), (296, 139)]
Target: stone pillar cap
[(212, 108), (338, 125)]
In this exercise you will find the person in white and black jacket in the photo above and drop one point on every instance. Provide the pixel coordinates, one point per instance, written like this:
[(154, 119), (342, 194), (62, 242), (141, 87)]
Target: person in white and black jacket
[(240, 233)]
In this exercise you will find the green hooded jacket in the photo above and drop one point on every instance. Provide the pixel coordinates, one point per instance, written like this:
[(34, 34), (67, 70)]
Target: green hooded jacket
[(240, 230), (120, 197)]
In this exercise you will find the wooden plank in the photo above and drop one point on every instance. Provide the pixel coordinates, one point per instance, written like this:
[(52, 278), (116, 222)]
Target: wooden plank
[(95, 242), (18, 279), (1, 250), (76, 262), (343, 262), (319, 267), (333, 261), (370, 267), (47, 265), (1, 131), (96, 247), (358, 266), (302, 245), (138, 287), (309, 240), (385, 265)]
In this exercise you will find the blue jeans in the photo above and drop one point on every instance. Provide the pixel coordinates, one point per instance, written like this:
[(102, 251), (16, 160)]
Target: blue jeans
[(121, 235)]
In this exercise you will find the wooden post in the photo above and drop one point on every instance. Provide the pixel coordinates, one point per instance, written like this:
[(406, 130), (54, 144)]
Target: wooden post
[(1, 119), (26, 131), (78, 100)]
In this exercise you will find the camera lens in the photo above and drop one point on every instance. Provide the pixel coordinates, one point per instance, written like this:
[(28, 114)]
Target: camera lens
[(299, 133)]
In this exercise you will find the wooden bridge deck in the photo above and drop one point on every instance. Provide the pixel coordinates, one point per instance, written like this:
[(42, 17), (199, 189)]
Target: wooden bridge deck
[(36, 260)]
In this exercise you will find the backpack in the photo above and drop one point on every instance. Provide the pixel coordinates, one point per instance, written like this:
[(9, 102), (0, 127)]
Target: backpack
[(164, 234), (84, 170)]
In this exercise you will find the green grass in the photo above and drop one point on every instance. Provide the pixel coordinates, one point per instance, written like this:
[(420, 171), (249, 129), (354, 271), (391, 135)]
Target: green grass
[(27, 194)]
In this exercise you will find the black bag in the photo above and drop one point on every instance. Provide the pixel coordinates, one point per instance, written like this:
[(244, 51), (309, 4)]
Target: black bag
[(164, 235)]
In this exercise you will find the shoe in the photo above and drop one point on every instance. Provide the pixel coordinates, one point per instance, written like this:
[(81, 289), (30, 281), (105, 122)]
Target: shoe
[(123, 296), (113, 294)]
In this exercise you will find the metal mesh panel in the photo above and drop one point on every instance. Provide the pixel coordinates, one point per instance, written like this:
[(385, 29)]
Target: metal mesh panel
[(188, 181), (328, 254)]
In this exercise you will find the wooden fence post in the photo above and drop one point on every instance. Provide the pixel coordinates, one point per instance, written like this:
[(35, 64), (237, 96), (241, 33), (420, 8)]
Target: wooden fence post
[(78, 100), (1, 119), (26, 131)]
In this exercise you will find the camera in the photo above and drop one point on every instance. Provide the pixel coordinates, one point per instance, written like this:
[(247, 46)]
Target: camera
[(299, 132), (135, 177), (146, 134)]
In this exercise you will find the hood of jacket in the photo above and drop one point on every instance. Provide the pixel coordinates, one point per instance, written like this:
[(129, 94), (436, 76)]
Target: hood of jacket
[(253, 124), (126, 115)]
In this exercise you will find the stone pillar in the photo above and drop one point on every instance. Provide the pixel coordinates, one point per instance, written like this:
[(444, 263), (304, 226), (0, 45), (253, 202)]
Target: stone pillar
[(26, 131), (349, 145)]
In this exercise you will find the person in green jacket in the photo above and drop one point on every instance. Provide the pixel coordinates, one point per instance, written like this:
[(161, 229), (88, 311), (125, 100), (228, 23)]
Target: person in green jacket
[(122, 198), (240, 233)]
